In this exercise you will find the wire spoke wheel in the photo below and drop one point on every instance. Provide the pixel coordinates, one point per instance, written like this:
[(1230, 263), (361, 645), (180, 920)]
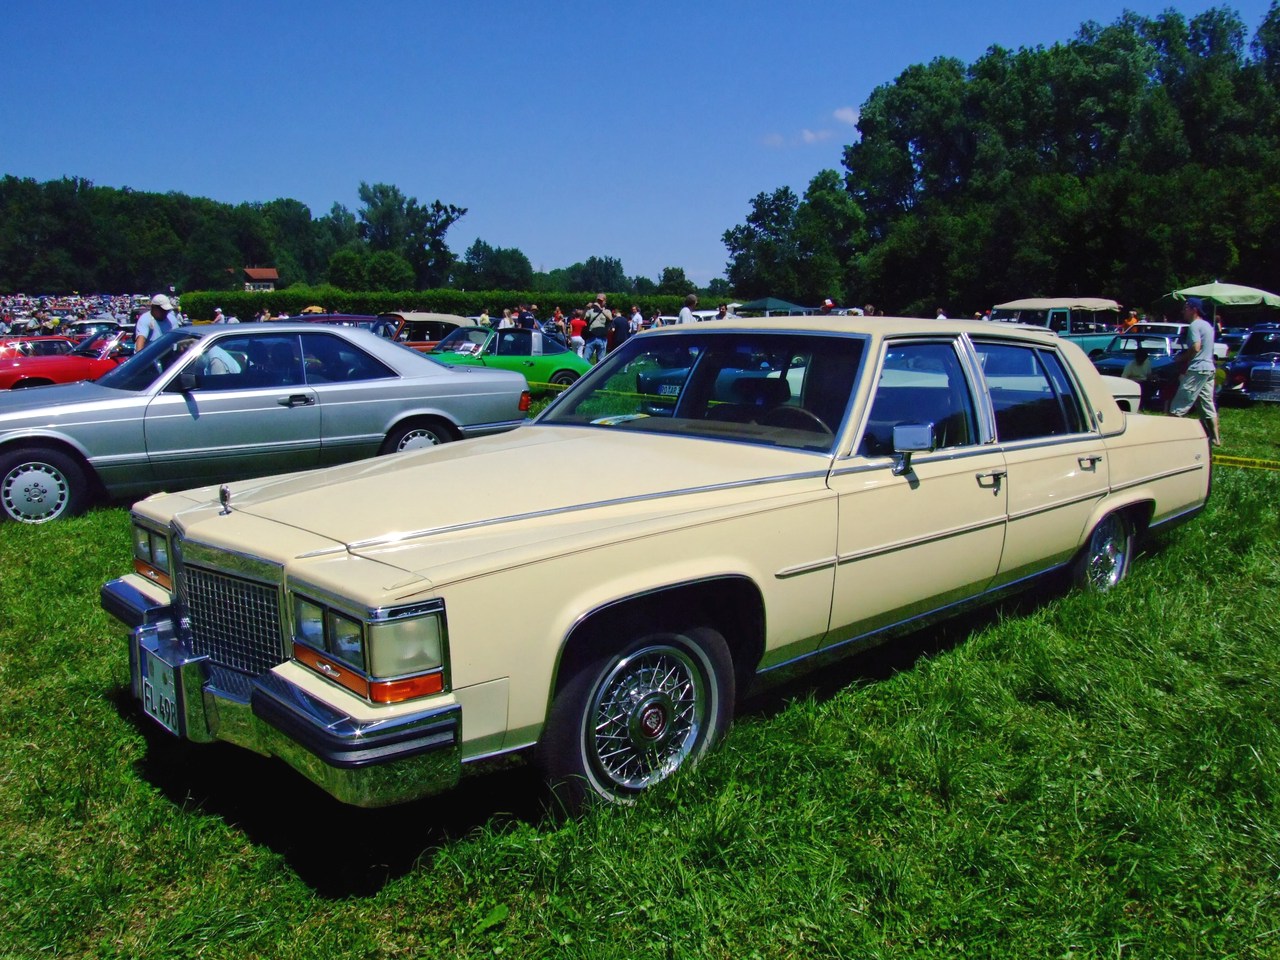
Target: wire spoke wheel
[(1105, 560), (647, 717), (632, 717)]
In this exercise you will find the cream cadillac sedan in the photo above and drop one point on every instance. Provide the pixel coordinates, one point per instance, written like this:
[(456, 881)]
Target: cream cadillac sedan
[(710, 508)]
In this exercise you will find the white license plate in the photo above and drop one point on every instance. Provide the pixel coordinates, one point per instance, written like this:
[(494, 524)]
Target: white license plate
[(160, 693)]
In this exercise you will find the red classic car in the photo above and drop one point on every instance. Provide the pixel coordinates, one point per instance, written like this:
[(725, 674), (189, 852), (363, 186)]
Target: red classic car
[(35, 346), (88, 361)]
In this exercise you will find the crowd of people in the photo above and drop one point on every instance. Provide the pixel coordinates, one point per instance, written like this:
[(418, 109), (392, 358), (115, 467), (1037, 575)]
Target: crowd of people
[(49, 315), (595, 329)]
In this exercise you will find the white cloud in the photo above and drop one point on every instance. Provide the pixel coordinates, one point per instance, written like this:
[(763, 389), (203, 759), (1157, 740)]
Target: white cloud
[(815, 136), (773, 140), (847, 115)]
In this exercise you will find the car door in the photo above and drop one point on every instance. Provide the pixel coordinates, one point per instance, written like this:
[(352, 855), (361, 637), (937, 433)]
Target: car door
[(1054, 457), (511, 349), (357, 395), (238, 406), (914, 541)]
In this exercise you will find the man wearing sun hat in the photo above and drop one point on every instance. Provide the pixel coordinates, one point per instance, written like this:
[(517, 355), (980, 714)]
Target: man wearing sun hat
[(159, 319), (598, 319)]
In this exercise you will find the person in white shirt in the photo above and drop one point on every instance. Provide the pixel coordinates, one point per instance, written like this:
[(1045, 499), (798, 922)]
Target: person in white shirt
[(686, 312), (159, 319), (1139, 368)]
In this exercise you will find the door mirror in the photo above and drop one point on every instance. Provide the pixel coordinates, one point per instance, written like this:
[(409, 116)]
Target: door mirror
[(909, 438)]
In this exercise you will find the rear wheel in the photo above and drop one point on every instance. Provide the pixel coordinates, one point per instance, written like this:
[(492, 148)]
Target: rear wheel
[(40, 485), (415, 436), (1104, 561), (562, 378), (631, 718)]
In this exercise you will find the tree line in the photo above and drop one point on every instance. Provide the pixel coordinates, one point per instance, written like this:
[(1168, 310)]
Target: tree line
[(1136, 158), (70, 235)]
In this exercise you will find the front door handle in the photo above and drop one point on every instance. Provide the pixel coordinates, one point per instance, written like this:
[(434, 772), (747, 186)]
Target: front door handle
[(991, 479), (1088, 463), (296, 400)]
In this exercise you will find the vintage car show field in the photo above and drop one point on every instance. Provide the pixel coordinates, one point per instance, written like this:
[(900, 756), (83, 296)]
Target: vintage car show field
[(1061, 774)]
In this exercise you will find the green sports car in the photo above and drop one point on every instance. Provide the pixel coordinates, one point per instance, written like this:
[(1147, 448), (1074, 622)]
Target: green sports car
[(542, 359)]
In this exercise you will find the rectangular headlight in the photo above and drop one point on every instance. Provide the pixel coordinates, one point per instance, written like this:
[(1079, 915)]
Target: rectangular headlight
[(387, 656), (329, 632), (151, 555), (402, 647)]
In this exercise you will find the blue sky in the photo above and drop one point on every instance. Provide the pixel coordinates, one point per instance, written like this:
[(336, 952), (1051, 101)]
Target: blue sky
[(567, 129)]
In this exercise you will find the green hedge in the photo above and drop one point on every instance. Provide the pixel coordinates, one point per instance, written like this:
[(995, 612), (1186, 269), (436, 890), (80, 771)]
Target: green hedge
[(199, 304)]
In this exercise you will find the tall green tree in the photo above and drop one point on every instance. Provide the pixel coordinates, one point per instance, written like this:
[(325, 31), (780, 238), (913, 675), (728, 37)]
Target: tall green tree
[(493, 268), (674, 282)]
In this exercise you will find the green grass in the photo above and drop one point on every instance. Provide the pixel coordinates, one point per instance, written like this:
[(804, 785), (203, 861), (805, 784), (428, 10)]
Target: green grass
[(1064, 776)]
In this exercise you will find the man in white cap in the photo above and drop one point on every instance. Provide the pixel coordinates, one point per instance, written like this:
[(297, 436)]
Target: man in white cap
[(159, 319)]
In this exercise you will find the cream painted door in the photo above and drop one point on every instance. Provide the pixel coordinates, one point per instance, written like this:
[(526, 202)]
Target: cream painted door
[(1056, 461), (913, 543)]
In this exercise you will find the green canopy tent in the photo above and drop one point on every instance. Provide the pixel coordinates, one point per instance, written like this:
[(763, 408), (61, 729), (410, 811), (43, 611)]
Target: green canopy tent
[(1226, 295), (771, 305)]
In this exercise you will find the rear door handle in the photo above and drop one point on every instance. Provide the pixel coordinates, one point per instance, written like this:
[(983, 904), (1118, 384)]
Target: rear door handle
[(1088, 463), (296, 400)]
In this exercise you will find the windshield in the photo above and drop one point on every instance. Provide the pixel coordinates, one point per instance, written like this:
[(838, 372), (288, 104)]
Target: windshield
[(1130, 344), (1259, 343), (142, 369), (463, 340), (775, 389)]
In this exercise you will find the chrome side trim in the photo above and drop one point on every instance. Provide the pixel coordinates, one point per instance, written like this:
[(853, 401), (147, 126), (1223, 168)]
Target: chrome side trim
[(1160, 476), (1058, 505), (945, 455), (813, 567), (582, 507), (918, 541), (485, 429)]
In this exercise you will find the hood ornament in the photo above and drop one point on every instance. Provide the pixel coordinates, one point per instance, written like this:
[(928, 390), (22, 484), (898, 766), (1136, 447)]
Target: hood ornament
[(224, 498)]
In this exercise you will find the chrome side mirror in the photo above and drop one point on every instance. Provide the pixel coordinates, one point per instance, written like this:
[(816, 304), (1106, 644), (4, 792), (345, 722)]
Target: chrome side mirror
[(909, 438)]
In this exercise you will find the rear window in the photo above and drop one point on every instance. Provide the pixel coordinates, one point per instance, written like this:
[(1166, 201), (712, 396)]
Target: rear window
[(1032, 395)]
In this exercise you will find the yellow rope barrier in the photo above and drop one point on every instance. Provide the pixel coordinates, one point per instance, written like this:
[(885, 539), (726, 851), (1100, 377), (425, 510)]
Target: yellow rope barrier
[(1248, 462)]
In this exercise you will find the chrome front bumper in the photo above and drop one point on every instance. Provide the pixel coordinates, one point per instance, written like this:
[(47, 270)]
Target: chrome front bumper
[(367, 763)]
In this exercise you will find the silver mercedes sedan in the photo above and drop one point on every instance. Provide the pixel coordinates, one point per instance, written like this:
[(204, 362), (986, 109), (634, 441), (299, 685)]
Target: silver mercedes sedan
[(212, 403)]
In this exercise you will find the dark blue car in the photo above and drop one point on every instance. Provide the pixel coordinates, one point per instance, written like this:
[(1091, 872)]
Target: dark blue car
[(1254, 372)]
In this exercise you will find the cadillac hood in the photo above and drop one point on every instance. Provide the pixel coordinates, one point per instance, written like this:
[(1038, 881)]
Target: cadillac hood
[(494, 501)]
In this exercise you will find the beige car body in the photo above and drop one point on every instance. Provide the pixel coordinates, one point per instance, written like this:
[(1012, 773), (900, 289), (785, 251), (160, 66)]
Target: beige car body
[(553, 536)]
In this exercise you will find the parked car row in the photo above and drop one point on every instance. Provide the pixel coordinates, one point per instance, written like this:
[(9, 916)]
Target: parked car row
[(215, 403), (706, 511), (87, 360)]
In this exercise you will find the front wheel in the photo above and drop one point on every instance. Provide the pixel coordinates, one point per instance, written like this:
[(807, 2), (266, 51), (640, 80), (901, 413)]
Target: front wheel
[(40, 485), (415, 436), (1104, 560), (630, 719)]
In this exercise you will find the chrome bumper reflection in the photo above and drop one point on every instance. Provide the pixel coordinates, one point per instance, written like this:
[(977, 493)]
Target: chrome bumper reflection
[(361, 762)]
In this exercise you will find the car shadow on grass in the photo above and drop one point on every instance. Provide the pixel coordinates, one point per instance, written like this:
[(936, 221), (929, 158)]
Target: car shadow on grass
[(338, 850)]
